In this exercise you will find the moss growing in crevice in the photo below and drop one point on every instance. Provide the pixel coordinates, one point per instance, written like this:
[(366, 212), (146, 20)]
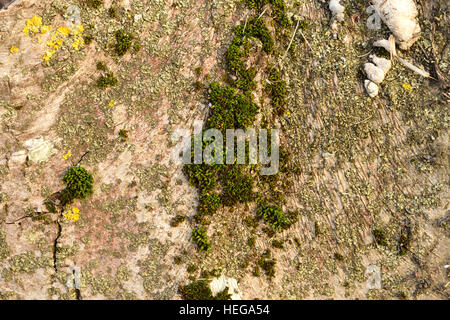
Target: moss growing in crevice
[(233, 107)]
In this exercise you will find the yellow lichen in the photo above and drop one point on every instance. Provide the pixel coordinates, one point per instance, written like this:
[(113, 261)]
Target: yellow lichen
[(14, 49), (67, 155), (407, 86)]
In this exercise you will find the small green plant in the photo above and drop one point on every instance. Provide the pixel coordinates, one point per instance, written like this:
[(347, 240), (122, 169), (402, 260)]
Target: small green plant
[(230, 109), (177, 220), (123, 42), (107, 80), (274, 216), (380, 237), (79, 184), (201, 239)]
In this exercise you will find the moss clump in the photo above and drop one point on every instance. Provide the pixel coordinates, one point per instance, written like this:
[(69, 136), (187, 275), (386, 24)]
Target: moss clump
[(257, 28), (279, 13), (230, 109), (209, 204), (177, 220), (237, 186), (277, 90), (192, 268), (107, 80), (112, 11), (277, 244), (338, 256), (79, 184), (137, 47), (268, 265), (380, 237), (200, 290), (88, 39), (177, 260), (223, 295), (404, 243), (274, 216), (201, 239), (94, 3), (201, 176), (101, 66), (251, 242), (123, 135), (123, 42), (256, 4), (278, 10)]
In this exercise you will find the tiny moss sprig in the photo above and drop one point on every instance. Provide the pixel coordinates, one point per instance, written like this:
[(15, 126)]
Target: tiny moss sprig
[(201, 239)]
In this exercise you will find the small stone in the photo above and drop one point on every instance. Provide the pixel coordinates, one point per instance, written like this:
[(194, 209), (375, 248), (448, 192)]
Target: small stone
[(39, 150), (17, 158), (371, 88)]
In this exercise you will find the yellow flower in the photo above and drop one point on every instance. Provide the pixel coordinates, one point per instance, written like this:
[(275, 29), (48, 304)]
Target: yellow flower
[(67, 155), (39, 40), (13, 49), (407, 86), (25, 31), (48, 54), (45, 29), (36, 21), (78, 43), (77, 31), (64, 30), (111, 103), (73, 214)]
